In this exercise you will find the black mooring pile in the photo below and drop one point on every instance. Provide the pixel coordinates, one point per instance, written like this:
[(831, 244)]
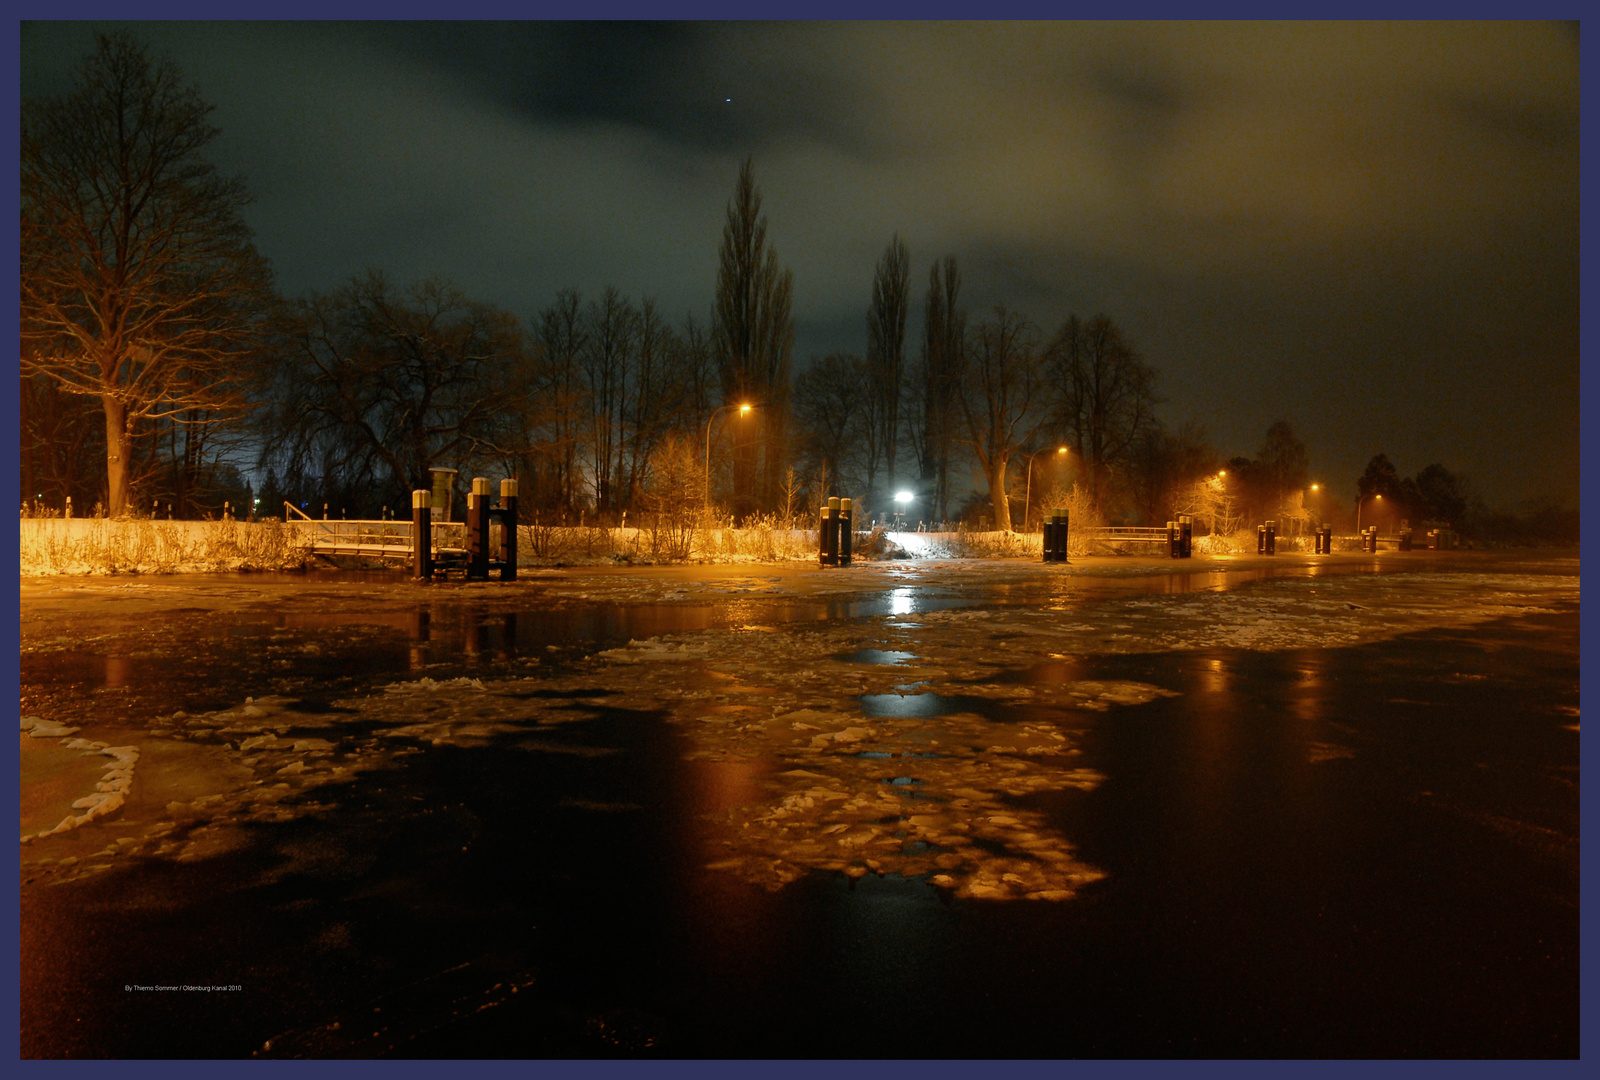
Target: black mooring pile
[(1056, 530), (834, 533)]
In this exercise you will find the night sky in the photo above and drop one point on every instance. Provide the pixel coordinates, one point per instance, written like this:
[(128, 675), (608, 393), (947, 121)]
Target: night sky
[(1370, 230)]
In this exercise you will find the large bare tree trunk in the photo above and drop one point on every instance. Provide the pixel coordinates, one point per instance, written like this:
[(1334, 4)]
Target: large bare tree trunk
[(119, 453), (997, 493)]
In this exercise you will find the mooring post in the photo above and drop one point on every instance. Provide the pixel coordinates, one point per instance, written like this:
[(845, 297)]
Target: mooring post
[(828, 541), (421, 535), (508, 530), (478, 530), (846, 539)]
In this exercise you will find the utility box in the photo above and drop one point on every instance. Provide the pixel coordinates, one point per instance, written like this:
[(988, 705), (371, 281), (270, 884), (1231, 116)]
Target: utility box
[(444, 482)]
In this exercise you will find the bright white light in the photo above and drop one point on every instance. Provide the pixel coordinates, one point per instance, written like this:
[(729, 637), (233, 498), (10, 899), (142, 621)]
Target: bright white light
[(903, 496)]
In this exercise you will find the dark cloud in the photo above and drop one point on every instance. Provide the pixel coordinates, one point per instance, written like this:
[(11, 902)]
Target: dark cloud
[(1369, 229)]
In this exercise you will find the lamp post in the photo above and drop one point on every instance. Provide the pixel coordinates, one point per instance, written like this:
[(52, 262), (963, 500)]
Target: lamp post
[(902, 499), (1027, 497), (1359, 499), (742, 410)]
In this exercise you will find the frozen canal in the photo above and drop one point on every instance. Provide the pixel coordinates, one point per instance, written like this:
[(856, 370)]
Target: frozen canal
[(1231, 807)]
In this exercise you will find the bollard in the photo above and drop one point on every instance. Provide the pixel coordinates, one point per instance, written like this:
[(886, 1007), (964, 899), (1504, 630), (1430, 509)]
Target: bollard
[(1272, 537), (1185, 536), (846, 539), (1433, 539), (1261, 539), (508, 530), (1172, 539), (421, 535), (828, 534), (1405, 539), (1055, 535), (478, 530)]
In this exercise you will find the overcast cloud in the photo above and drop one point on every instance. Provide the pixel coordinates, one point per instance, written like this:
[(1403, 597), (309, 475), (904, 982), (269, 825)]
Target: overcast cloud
[(1368, 229)]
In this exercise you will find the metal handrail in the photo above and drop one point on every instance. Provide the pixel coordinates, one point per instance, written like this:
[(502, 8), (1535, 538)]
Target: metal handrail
[(379, 537)]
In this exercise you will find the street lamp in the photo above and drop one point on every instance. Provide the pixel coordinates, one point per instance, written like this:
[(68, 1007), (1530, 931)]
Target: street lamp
[(1027, 496), (1359, 498), (902, 499), (742, 410)]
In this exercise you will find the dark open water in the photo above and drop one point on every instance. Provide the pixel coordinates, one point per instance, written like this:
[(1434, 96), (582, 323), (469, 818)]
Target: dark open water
[(1368, 851)]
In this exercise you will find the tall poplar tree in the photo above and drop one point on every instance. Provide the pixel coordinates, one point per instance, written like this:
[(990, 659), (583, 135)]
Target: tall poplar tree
[(944, 330), (754, 342), (886, 336)]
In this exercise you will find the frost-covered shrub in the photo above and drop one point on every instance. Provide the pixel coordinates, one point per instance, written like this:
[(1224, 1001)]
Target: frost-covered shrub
[(99, 546)]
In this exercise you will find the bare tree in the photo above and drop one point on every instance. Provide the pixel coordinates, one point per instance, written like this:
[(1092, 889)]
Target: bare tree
[(1001, 398), (141, 285), (1281, 467), (831, 420), (944, 334), (886, 336), (63, 448), (660, 398), (674, 493), (563, 340), (1164, 468), (753, 337), (613, 336), (1104, 396), (377, 385)]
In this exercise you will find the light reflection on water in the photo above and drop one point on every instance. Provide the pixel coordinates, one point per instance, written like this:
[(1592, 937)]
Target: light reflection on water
[(876, 656), (904, 705)]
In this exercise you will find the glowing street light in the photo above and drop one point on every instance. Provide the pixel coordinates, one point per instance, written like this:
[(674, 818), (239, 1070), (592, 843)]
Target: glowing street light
[(903, 497), (743, 409), (1027, 496), (1359, 499)]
